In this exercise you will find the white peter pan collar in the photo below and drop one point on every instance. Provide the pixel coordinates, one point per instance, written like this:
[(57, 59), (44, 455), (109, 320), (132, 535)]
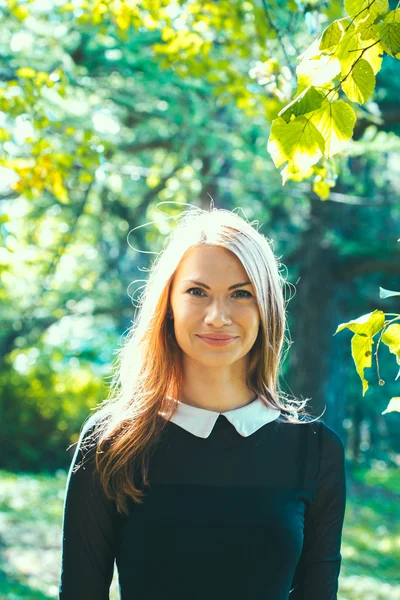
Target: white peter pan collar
[(246, 419)]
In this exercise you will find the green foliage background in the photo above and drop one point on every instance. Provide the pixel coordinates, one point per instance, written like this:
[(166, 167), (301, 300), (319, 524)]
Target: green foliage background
[(114, 115), (108, 108)]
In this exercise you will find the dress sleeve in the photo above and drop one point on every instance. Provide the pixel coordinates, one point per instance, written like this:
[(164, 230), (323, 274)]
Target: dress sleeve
[(89, 530), (317, 572)]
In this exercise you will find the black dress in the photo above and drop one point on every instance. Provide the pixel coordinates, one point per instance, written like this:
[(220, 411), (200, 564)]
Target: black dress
[(228, 516)]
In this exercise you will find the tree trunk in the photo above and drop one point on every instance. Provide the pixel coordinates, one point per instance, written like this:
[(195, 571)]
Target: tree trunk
[(316, 366), (357, 424)]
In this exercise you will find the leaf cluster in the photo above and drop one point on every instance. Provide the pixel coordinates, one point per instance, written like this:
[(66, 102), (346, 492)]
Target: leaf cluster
[(365, 328), (336, 71)]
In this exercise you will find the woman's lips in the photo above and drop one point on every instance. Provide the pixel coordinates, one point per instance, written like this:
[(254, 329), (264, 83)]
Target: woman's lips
[(217, 342)]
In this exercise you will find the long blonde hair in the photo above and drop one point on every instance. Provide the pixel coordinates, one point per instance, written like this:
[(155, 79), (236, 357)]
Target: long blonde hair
[(147, 375)]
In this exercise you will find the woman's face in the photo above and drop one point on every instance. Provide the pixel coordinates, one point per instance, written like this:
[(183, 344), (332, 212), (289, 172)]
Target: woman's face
[(202, 303)]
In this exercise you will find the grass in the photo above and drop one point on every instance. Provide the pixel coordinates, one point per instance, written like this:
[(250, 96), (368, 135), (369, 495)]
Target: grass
[(30, 536)]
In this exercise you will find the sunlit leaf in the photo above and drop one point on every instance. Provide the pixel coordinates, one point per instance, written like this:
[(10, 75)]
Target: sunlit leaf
[(383, 293), (331, 36), (393, 16), (305, 102), (362, 7), (360, 83), (361, 351), (367, 325), (367, 28), (294, 174), (391, 338), (372, 54), (364, 328), (350, 49), (389, 31), (317, 72), (393, 406), (322, 189), (335, 121), (298, 141)]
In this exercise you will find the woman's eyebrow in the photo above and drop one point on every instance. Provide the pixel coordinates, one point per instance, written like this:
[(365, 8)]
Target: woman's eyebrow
[(232, 287)]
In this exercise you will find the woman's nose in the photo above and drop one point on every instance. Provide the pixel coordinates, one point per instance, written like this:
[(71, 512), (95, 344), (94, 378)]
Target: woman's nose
[(218, 314)]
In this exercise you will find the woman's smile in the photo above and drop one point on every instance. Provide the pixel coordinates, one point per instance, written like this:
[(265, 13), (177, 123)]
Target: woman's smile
[(216, 341)]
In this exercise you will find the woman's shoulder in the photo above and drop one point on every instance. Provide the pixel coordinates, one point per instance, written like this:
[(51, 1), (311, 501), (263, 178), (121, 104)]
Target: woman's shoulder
[(328, 438), (90, 425), (87, 443)]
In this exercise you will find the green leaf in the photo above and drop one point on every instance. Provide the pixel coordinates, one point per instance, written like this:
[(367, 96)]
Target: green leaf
[(391, 338), (360, 83), (350, 49), (331, 36), (335, 121), (361, 351), (393, 16), (298, 142), (316, 68), (373, 55), (311, 52), (322, 189), (389, 31), (363, 7), (367, 325), (347, 50), (293, 173), (317, 71), (364, 328), (367, 29), (305, 102)]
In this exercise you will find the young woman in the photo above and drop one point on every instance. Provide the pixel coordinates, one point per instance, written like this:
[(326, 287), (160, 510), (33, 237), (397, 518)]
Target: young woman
[(197, 475)]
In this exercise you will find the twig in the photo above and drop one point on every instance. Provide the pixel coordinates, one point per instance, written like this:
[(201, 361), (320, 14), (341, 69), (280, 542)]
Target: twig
[(363, 51), (279, 36), (358, 14)]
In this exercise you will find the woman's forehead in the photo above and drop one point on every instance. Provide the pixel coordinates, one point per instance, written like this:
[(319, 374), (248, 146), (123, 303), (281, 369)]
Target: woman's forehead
[(210, 261)]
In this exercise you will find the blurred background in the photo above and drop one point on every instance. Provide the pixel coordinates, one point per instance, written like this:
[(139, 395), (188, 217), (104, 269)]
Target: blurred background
[(110, 109)]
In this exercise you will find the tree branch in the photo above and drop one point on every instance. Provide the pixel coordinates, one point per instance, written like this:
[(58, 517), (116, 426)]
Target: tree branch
[(279, 36), (157, 143), (366, 265)]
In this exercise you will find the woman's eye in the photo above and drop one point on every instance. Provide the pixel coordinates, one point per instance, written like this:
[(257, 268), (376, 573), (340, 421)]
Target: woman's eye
[(245, 291), (191, 289), (248, 295)]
